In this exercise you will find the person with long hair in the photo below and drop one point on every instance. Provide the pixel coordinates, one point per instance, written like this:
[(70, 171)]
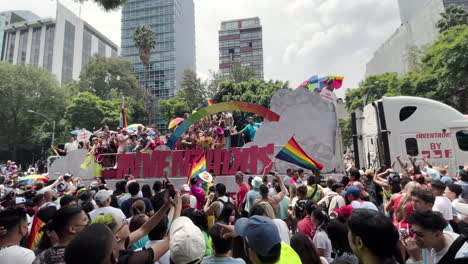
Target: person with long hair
[(321, 240), (146, 191), (338, 234), (306, 249), (402, 206)]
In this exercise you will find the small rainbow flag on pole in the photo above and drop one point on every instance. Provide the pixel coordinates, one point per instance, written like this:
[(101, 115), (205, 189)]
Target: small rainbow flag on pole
[(293, 153), (197, 166), (35, 234), (211, 102)]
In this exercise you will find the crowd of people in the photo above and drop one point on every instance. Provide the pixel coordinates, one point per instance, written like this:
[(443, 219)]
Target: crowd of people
[(417, 216)]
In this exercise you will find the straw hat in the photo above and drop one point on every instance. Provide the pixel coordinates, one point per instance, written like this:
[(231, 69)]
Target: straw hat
[(206, 176)]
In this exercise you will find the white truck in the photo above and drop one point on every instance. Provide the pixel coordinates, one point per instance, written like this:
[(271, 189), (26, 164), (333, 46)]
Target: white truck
[(413, 126)]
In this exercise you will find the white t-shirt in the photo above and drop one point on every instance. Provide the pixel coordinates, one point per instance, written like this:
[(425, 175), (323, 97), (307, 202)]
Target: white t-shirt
[(106, 210), (321, 240), (223, 260), (16, 255), (165, 259), (463, 252), (283, 230), (443, 205), (71, 146), (193, 202)]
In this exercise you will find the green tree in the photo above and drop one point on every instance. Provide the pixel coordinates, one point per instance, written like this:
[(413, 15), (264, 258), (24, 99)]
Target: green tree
[(24, 88), (109, 78), (445, 68), (145, 41), (371, 89), (174, 107), (108, 5), (239, 73), (253, 91), (454, 15), (346, 132), (193, 90), (85, 111)]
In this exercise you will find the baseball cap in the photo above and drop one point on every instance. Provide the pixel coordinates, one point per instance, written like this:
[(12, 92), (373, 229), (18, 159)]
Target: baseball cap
[(353, 190), (260, 232), (369, 173), (102, 196), (20, 200), (433, 174), (185, 188), (344, 210), (256, 182), (187, 243), (62, 186)]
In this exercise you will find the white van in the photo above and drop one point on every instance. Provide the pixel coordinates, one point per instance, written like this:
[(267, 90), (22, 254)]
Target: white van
[(413, 126)]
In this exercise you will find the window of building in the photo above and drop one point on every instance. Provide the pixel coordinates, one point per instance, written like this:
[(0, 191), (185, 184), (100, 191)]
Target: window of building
[(412, 146), (49, 47), (11, 47), (68, 50), (23, 44), (101, 48), (462, 139), (86, 53), (406, 112), (35, 46)]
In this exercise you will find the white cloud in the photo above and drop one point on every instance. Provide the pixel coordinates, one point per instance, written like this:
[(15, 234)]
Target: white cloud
[(300, 37)]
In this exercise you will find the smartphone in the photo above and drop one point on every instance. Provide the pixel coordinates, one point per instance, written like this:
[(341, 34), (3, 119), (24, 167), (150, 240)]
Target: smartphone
[(272, 173)]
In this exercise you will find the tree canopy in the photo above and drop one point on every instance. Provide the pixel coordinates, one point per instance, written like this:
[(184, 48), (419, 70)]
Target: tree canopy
[(109, 78), (442, 75), (24, 88), (453, 15)]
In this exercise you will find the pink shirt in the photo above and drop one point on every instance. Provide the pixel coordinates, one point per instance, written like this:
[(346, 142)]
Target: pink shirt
[(305, 226), (241, 193), (200, 195)]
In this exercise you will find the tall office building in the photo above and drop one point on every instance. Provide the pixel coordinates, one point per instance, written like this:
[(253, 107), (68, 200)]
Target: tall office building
[(62, 45), (11, 17), (240, 42), (173, 21)]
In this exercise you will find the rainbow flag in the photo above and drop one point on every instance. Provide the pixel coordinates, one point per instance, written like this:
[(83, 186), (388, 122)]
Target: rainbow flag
[(211, 102), (35, 234), (293, 153), (197, 166)]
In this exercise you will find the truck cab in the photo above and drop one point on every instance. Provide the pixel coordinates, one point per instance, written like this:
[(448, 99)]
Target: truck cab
[(413, 126)]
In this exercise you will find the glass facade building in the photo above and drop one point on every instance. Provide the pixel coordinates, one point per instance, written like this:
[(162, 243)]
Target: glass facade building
[(241, 43), (173, 21)]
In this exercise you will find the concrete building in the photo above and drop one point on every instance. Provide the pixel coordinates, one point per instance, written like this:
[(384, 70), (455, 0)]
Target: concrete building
[(62, 45), (418, 29), (241, 43), (10, 17), (173, 21)]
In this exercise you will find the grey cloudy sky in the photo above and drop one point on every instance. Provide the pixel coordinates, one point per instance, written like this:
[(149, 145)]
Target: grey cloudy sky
[(300, 37)]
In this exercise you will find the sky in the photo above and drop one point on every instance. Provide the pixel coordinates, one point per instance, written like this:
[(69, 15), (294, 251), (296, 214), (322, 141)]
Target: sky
[(301, 38)]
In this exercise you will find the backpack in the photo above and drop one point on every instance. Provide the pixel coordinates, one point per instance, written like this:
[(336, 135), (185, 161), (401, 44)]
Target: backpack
[(300, 208)]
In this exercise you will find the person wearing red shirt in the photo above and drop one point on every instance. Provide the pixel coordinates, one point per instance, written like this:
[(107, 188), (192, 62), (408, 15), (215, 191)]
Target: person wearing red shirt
[(305, 225), (242, 191)]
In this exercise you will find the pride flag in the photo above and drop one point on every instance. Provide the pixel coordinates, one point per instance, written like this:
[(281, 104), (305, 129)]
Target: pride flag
[(293, 153), (211, 102), (197, 166), (35, 234), (123, 115)]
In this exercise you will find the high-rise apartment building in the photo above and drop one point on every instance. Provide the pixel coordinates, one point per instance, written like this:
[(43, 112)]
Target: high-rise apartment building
[(62, 45), (173, 21), (240, 42)]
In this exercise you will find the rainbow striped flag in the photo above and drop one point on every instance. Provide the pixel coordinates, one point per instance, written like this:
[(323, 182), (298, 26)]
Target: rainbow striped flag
[(211, 102), (293, 153), (35, 234), (197, 166)]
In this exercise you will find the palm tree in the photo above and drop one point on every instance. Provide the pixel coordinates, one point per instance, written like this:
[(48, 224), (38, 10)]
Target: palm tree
[(108, 5), (454, 15), (145, 41)]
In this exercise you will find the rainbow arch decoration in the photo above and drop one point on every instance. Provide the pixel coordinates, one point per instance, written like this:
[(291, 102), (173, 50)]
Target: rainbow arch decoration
[(220, 107)]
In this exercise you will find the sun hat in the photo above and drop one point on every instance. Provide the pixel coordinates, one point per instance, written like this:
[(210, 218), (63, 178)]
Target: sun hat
[(219, 130), (205, 176)]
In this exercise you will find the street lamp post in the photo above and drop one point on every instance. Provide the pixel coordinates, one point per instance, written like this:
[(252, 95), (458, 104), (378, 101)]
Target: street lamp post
[(50, 122)]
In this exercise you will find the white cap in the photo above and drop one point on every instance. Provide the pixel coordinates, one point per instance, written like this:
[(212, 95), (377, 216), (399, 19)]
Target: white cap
[(20, 200), (187, 242), (256, 182), (185, 188), (102, 196)]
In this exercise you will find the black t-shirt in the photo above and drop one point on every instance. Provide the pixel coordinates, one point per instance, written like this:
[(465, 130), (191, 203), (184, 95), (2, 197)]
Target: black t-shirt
[(157, 201)]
